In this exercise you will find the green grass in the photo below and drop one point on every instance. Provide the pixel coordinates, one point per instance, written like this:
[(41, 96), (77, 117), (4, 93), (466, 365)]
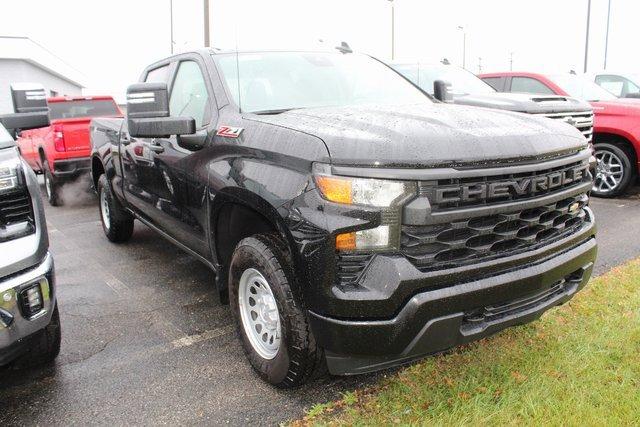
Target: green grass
[(578, 365)]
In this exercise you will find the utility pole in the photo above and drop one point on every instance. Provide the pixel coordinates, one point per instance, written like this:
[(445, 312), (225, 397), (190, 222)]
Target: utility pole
[(479, 65), (510, 61), (171, 23), (464, 47), (586, 43), (206, 24), (393, 31), (606, 43)]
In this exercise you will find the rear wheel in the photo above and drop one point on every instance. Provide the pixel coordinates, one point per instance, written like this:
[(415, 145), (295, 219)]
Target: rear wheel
[(614, 172), (117, 223), (271, 322), (51, 186)]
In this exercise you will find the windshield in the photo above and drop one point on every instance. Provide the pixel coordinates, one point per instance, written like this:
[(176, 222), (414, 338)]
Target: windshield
[(82, 108), (273, 82), (462, 81), (581, 88)]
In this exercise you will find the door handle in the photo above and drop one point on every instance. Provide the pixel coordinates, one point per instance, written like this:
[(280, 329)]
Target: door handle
[(155, 148)]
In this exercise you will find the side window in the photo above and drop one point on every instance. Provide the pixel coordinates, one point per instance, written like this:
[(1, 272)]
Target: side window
[(157, 75), (613, 84), (189, 96), (495, 82), (529, 85)]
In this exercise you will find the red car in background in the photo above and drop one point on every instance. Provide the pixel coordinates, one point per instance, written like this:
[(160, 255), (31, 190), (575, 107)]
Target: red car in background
[(616, 129), (61, 151)]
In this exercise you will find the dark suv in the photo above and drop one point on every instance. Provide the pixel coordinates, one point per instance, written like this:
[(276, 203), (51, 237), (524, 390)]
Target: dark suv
[(348, 216)]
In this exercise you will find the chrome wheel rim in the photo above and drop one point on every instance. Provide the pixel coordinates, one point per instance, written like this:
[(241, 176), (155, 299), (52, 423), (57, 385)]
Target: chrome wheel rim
[(47, 186), (104, 210), (259, 313), (609, 172)]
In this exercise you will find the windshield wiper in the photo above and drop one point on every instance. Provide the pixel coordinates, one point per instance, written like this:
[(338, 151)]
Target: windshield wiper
[(278, 111)]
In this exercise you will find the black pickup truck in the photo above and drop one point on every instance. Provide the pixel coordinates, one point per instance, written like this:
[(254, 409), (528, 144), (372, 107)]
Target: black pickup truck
[(349, 217)]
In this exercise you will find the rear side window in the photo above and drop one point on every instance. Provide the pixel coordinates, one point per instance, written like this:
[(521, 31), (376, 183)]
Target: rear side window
[(189, 96), (495, 82), (529, 85), (158, 75), (83, 108)]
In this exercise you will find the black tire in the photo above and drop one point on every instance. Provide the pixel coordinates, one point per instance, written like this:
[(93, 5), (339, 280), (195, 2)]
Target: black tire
[(605, 150), (298, 357), (118, 227), (52, 187), (46, 346)]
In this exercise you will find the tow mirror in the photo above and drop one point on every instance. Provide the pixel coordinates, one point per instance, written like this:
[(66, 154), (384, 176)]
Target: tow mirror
[(441, 91), (148, 113), (30, 107)]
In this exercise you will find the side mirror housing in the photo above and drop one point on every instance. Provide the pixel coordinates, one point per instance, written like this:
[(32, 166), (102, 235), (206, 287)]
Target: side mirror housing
[(30, 107), (441, 91), (148, 113)]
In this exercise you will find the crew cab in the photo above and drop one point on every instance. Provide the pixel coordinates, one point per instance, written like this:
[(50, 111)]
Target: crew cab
[(622, 85), (450, 83), (349, 218), (62, 150), (29, 319), (616, 136)]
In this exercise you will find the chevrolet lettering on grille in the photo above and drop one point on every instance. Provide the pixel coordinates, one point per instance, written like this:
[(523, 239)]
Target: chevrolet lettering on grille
[(509, 188)]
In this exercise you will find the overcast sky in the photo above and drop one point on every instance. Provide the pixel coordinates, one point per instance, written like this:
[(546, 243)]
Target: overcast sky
[(110, 42)]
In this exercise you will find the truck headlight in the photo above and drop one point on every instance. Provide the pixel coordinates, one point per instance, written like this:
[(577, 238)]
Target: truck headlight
[(9, 176), (387, 195), (378, 193)]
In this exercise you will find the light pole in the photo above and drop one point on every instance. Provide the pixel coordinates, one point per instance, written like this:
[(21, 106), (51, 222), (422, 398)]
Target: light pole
[(511, 61), (606, 43), (586, 43), (206, 23), (171, 23), (393, 31), (464, 46)]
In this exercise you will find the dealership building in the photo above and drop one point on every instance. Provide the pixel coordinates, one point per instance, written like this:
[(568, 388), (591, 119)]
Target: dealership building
[(24, 61)]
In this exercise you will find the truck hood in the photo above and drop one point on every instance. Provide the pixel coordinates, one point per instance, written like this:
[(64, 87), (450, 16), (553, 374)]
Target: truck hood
[(427, 135), (619, 107), (524, 103)]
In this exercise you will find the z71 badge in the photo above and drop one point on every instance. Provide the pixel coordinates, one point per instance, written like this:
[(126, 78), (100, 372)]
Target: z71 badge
[(229, 132)]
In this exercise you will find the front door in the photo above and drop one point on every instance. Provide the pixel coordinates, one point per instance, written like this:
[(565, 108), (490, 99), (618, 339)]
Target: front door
[(154, 169)]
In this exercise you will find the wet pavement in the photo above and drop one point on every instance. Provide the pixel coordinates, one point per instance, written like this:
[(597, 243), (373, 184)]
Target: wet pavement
[(145, 340)]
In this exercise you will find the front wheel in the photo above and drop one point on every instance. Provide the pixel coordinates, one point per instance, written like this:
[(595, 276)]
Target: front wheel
[(117, 223), (613, 171), (271, 322)]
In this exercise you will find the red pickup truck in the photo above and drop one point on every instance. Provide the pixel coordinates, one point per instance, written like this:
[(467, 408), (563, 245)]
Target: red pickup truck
[(616, 129), (61, 151)]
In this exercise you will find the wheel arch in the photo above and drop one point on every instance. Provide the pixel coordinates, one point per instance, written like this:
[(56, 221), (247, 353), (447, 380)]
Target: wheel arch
[(238, 213), (97, 169), (624, 142)]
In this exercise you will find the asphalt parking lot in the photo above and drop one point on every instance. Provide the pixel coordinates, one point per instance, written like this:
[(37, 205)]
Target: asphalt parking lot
[(145, 340)]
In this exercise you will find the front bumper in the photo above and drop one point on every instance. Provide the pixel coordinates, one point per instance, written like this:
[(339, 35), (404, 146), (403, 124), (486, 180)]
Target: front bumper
[(16, 329), (437, 319), (70, 168)]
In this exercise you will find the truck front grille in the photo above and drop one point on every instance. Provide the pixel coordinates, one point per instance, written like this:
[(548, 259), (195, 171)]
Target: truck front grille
[(483, 238), (581, 120), (16, 215), (451, 188)]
